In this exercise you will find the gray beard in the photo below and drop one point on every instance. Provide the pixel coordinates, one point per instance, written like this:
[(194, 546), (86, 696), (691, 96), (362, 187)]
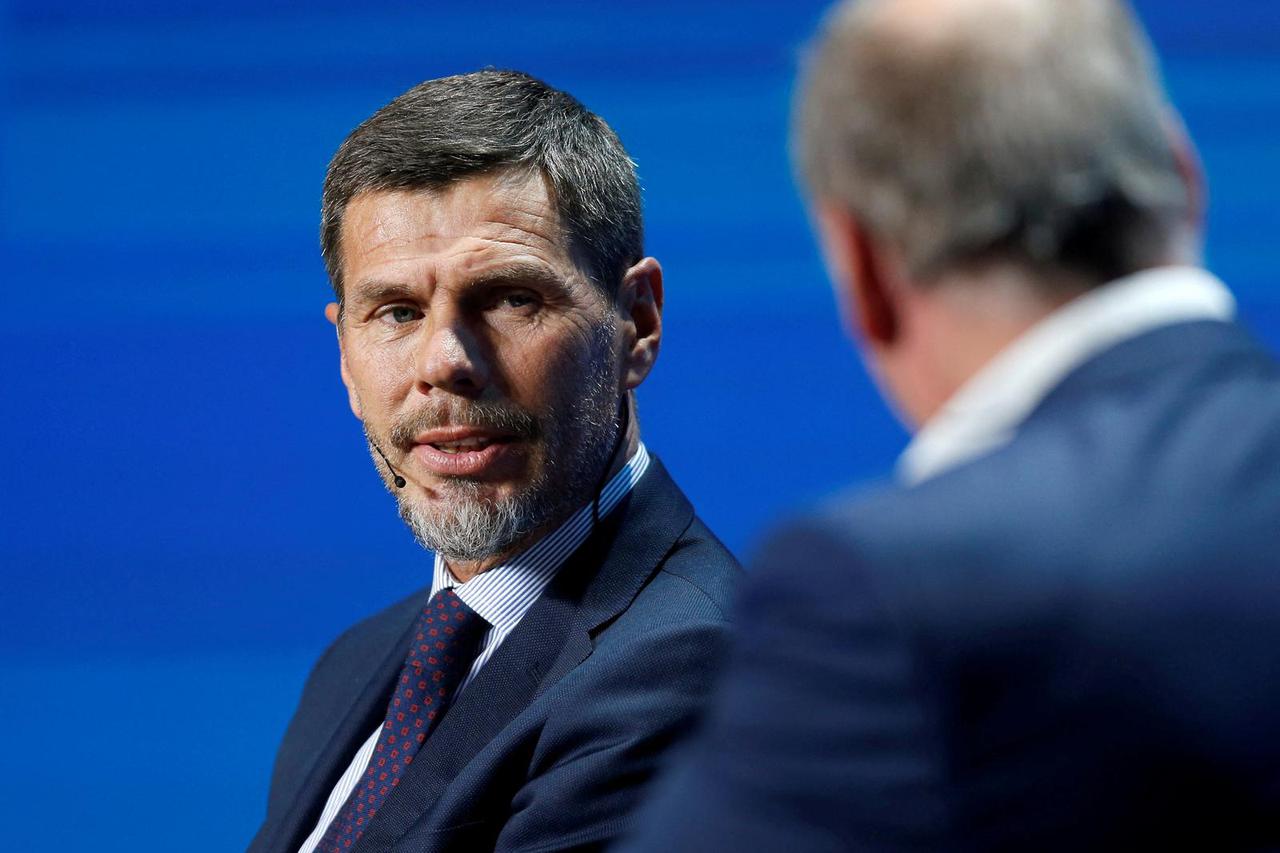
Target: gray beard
[(470, 528), (579, 432)]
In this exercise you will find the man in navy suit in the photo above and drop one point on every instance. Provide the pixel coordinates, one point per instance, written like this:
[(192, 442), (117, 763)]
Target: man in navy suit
[(495, 311), (1059, 629)]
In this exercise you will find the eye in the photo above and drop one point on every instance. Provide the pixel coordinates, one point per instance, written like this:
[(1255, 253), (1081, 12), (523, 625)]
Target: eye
[(400, 314), (517, 300)]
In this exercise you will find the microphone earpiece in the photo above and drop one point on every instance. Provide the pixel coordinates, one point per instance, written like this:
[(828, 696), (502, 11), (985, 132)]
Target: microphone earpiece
[(395, 475)]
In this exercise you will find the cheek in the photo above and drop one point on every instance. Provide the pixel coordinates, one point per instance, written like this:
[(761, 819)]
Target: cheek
[(536, 373), (382, 374), (567, 381)]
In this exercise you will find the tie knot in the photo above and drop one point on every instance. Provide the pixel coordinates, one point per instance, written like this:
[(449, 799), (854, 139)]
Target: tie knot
[(447, 634), (447, 606)]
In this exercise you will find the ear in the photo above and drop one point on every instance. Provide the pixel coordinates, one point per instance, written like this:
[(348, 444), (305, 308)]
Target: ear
[(859, 272), (1187, 160), (334, 315), (640, 303)]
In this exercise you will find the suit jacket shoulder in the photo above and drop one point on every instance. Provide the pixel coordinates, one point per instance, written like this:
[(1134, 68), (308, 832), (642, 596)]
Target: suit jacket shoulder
[(1139, 467)]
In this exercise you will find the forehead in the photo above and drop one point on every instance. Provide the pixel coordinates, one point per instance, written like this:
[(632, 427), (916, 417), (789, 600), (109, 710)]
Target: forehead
[(500, 217)]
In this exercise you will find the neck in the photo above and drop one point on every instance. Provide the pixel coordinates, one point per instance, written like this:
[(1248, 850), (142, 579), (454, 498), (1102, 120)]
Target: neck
[(627, 445), (962, 322)]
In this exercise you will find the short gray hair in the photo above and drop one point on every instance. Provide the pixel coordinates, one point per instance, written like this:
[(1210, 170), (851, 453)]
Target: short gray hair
[(1033, 130), (446, 130)]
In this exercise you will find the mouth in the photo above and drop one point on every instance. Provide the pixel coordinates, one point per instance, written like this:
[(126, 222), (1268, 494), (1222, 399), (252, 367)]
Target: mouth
[(466, 445), (463, 451)]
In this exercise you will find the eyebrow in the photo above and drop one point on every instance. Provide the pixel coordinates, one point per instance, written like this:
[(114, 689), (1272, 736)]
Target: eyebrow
[(376, 291), (517, 273)]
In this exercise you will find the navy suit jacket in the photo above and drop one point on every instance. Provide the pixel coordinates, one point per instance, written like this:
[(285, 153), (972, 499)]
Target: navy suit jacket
[(1072, 643), (551, 744)]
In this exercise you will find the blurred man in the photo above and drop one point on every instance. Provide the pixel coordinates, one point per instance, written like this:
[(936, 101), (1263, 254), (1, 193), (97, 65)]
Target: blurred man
[(1059, 629), (494, 313)]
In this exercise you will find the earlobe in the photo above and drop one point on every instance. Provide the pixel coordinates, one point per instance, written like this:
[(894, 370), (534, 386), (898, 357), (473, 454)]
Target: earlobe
[(1187, 160), (640, 300), (857, 272), (353, 399), (334, 315)]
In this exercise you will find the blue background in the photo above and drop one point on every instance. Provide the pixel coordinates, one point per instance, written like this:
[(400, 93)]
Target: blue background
[(184, 492)]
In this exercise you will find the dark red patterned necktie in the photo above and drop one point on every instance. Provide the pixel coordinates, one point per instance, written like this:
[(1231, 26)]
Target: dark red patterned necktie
[(446, 637)]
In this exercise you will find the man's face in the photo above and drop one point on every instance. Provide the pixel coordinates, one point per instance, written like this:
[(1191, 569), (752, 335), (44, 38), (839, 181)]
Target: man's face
[(481, 360)]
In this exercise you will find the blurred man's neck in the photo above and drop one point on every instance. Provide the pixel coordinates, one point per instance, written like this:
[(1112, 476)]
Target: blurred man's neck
[(963, 320), (967, 317)]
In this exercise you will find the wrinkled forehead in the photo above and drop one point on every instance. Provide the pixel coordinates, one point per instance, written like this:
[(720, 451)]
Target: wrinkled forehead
[(485, 206), (506, 211), (479, 228)]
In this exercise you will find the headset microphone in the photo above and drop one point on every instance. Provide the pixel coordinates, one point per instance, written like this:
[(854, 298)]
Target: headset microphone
[(397, 479)]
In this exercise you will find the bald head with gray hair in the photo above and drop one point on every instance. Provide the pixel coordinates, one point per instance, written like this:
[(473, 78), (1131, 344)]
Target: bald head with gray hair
[(963, 131)]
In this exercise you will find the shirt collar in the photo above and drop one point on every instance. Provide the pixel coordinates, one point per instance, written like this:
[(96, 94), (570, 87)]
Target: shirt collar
[(987, 410), (503, 594)]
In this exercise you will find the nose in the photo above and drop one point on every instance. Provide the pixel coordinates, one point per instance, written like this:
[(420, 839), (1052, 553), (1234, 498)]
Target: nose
[(451, 358)]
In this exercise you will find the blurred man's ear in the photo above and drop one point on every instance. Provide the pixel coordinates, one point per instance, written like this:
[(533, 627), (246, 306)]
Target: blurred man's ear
[(1187, 159), (859, 274)]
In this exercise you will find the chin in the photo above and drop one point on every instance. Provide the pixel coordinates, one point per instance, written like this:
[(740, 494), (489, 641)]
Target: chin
[(448, 494), (469, 527)]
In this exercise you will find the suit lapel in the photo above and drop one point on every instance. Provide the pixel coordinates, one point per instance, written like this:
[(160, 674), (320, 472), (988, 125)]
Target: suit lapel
[(368, 709), (626, 553), (596, 584)]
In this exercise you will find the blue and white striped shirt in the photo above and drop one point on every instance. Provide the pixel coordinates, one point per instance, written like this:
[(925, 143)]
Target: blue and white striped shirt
[(501, 596)]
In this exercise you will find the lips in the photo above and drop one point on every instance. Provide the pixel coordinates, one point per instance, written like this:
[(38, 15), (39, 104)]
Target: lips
[(463, 451), (465, 445)]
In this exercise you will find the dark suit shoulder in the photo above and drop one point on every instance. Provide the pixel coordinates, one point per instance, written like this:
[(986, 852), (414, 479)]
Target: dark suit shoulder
[(705, 565), (1104, 587), (1123, 477), (689, 596)]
